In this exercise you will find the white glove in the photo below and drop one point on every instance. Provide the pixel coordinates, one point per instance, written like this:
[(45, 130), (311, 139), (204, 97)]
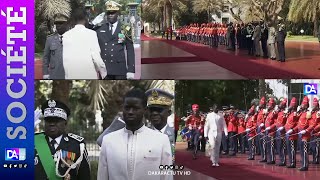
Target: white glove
[(289, 132), (280, 128), (261, 125), (302, 132), (268, 128), (252, 38), (130, 75), (37, 114), (247, 130), (47, 76)]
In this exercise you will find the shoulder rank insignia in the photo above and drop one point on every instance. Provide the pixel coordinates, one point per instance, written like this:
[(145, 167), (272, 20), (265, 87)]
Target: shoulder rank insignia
[(76, 137)]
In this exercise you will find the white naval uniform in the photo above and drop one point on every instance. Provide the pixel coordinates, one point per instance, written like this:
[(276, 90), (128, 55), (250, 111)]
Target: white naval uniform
[(213, 129), (81, 54), (128, 156)]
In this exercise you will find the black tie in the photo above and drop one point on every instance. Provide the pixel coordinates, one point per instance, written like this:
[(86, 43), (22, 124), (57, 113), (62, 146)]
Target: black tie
[(111, 26), (52, 148)]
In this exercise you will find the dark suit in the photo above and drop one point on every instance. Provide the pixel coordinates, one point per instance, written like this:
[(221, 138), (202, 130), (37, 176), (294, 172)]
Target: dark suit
[(69, 144), (264, 39), (113, 52), (52, 58), (281, 36)]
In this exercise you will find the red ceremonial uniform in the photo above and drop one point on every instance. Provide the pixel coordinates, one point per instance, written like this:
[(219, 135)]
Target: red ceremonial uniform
[(252, 125), (316, 130), (305, 124), (280, 121), (232, 123), (241, 125), (260, 118), (270, 121), (291, 123)]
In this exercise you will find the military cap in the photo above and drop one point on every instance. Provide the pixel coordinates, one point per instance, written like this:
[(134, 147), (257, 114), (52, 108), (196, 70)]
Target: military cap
[(159, 97), (55, 108), (60, 18), (112, 6)]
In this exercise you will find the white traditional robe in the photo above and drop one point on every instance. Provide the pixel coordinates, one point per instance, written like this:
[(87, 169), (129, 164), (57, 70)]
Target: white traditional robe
[(214, 127), (81, 54), (128, 156)]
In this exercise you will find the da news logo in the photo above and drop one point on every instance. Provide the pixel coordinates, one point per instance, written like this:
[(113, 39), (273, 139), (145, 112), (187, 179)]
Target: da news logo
[(310, 89), (15, 154)]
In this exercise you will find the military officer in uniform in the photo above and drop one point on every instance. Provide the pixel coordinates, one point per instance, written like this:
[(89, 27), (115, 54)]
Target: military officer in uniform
[(116, 45), (52, 56), (56, 148), (281, 36), (159, 104)]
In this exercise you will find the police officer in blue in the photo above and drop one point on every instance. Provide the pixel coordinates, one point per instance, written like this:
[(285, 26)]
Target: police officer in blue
[(116, 45), (52, 55), (59, 155)]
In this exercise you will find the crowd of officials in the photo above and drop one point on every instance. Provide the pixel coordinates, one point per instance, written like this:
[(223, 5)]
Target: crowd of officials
[(267, 130), (258, 38)]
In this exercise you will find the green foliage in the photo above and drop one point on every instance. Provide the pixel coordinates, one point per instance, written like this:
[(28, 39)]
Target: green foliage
[(205, 93), (84, 98)]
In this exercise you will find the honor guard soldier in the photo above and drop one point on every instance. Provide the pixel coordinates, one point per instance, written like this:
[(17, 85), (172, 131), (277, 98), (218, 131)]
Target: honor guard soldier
[(315, 117), (116, 45), (261, 141), (197, 122), (316, 133), (232, 130), (159, 109), (52, 55), (270, 131), (241, 132), (304, 127), (291, 123), (279, 125), (59, 155), (251, 126)]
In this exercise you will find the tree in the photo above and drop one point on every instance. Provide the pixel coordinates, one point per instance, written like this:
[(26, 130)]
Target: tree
[(209, 6), (205, 93), (306, 10)]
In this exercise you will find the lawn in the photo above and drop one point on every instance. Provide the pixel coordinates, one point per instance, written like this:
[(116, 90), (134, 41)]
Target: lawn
[(302, 38)]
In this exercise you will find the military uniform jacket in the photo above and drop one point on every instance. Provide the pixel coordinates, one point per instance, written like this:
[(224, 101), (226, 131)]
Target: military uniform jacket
[(113, 52), (52, 58), (69, 143)]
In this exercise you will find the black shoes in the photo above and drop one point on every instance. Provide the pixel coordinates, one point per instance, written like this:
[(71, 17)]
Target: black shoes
[(303, 169), (264, 160), (291, 166), (251, 158), (271, 162), (281, 164)]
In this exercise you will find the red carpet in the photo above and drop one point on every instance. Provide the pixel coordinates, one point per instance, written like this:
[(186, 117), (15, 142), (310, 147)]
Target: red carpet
[(170, 60), (147, 38), (233, 168), (241, 65)]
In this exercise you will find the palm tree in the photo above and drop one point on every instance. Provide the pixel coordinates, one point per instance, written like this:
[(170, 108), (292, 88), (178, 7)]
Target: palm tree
[(166, 7), (208, 6), (306, 10)]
